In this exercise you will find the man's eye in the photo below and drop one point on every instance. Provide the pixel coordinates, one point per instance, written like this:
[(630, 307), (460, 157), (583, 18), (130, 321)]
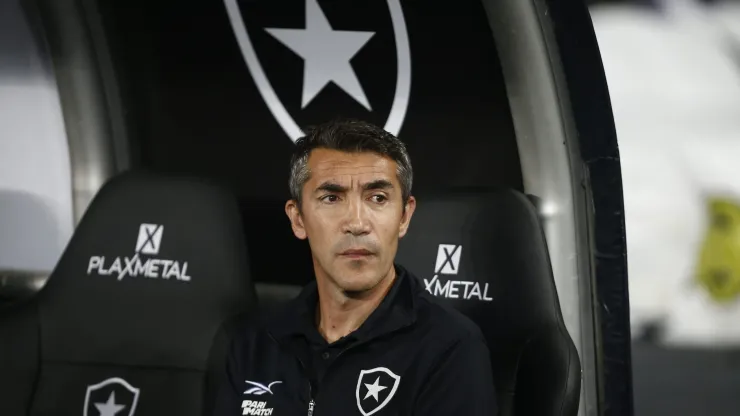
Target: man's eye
[(380, 198), (330, 198)]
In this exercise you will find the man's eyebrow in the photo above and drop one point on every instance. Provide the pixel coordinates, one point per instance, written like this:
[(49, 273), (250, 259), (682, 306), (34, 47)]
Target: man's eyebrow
[(329, 186), (378, 184)]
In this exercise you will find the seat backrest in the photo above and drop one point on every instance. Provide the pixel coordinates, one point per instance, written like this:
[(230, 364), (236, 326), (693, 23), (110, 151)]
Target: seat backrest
[(137, 311), (484, 252)]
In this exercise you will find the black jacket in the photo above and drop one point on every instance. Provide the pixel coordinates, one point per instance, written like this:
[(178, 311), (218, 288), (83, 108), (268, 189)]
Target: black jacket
[(412, 356)]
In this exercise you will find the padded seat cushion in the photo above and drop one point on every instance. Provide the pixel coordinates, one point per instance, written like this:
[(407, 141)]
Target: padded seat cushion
[(130, 316), (484, 252)]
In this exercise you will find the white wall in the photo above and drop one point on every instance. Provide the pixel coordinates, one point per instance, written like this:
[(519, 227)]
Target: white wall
[(35, 184)]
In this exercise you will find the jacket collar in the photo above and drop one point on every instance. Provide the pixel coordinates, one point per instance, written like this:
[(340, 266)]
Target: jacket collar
[(397, 310)]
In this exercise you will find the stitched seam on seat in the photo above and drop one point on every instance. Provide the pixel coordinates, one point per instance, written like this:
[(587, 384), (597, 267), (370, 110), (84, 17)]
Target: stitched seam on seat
[(133, 366), (567, 372), (441, 359), (537, 333), (518, 362)]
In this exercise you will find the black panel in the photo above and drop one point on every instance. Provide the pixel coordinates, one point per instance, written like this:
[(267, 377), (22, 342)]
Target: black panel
[(686, 381), (191, 103)]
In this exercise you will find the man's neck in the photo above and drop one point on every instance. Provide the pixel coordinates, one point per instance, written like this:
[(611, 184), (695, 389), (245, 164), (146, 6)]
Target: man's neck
[(338, 315)]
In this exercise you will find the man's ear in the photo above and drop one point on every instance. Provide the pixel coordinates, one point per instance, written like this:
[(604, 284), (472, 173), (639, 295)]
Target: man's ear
[(293, 212), (407, 214)]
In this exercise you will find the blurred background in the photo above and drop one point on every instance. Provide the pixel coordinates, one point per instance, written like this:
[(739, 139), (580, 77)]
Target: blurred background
[(673, 69)]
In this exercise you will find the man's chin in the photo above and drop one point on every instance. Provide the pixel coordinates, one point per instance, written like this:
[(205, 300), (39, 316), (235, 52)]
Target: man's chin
[(352, 282), (356, 277)]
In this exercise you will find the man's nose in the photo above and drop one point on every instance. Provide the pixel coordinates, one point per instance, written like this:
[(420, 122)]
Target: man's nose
[(356, 222)]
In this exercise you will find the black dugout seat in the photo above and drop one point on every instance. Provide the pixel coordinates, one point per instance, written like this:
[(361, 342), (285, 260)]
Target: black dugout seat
[(485, 254), (136, 316)]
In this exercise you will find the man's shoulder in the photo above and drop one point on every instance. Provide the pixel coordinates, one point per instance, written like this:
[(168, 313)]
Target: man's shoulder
[(260, 319), (444, 320)]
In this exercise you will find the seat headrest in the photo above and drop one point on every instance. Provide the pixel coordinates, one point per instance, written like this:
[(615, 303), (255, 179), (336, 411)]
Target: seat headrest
[(485, 253), (152, 270)]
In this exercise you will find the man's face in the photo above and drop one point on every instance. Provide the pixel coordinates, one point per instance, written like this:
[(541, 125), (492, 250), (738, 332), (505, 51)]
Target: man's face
[(352, 213)]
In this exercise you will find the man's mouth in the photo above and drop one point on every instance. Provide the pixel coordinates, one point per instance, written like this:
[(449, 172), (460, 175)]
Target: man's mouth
[(356, 253)]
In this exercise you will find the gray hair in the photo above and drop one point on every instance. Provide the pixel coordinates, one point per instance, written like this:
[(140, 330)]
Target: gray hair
[(349, 136)]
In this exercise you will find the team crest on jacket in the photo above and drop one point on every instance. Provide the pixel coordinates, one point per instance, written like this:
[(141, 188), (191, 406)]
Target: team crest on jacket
[(111, 397), (375, 389), (338, 55)]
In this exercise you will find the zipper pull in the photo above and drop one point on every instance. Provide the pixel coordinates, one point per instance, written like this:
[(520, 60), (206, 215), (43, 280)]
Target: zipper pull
[(311, 405)]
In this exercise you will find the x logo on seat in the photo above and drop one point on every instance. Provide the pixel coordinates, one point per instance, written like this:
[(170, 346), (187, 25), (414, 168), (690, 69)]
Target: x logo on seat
[(446, 256), (150, 237)]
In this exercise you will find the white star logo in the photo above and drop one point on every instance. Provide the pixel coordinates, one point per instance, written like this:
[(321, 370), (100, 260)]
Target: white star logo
[(109, 408), (374, 389), (368, 408), (326, 54)]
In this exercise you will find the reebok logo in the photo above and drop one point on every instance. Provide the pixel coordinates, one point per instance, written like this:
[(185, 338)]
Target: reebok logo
[(257, 407), (448, 263), (148, 242), (259, 388)]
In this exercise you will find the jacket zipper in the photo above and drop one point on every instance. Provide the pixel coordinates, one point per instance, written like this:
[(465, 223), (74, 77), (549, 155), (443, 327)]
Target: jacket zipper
[(311, 400), (311, 404)]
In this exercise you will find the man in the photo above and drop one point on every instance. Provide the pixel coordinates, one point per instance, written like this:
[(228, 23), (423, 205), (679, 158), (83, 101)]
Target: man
[(365, 337)]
